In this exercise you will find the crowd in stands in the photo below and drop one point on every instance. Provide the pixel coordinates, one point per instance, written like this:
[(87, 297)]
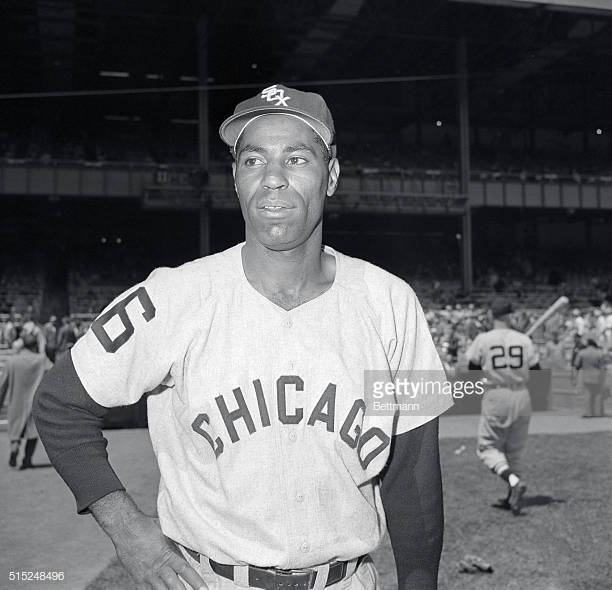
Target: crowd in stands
[(53, 337), (91, 149), (533, 281), (180, 147), (21, 287), (91, 285), (453, 326)]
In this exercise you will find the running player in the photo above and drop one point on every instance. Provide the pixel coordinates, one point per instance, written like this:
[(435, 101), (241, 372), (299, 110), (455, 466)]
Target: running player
[(505, 357)]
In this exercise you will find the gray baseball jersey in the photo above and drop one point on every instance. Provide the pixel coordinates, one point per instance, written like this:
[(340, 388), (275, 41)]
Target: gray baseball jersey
[(267, 455), (505, 356)]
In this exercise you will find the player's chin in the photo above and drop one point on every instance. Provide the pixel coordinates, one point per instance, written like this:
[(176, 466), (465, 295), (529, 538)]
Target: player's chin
[(280, 236)]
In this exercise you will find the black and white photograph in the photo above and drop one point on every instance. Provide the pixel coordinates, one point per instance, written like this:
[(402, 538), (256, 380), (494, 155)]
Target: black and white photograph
[(306, 295)]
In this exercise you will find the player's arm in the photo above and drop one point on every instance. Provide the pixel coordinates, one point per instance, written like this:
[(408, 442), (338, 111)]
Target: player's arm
[(411, 485), (69, 423), (474, 357), (104, 370), (3, 385), (147, 554), (411, 492), (533, 357)]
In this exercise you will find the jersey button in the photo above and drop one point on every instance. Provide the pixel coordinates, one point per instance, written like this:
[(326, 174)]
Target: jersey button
[(292, 436), (288, 323), (299, 497), (305, 547)]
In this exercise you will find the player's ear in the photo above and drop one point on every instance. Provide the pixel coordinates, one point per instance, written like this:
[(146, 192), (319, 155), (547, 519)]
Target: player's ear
[(334, 173), (234, 175)]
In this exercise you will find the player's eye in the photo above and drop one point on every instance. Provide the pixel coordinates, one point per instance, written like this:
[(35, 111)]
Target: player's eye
[(296, 160), (252, 161)]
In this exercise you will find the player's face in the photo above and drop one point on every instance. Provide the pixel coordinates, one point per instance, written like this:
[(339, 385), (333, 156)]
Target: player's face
[(282, 176)]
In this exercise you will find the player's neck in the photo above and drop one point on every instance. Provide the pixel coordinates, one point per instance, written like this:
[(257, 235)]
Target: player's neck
[(290, 272), (500, 325)]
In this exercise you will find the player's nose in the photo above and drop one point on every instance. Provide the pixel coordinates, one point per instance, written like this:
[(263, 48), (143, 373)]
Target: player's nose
[(274, 178)]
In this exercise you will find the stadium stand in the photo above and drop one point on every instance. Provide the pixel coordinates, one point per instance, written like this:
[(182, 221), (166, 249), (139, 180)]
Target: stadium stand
[(21, 288)]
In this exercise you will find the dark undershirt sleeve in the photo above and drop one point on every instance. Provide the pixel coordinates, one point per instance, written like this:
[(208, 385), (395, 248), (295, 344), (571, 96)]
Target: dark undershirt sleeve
[(69, 423), (472, 366), (3, 385), (411, 492)]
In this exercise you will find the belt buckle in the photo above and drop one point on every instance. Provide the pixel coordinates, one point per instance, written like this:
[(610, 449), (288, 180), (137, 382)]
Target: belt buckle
[(282, 579)]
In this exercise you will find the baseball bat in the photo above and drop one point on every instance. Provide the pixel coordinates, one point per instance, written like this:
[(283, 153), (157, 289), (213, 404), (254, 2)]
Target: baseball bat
[(552, 310)]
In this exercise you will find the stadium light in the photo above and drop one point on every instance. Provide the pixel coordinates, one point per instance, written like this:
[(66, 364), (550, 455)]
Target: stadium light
[(599, 131), (438, 123), (188, 78), (114, 74)]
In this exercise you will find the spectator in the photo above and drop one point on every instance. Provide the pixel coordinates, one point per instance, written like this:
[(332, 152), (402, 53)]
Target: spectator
[(579, 322), (50, 334), (23, 373), (66, 337), (29, 326), (9, 332), (555, 353), (590, 363)]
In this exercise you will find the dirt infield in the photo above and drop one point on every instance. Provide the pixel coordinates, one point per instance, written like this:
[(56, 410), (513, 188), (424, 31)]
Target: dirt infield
[(558, 544)]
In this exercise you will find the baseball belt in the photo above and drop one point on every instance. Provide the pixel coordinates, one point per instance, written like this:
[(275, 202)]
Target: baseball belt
[(270, 578)]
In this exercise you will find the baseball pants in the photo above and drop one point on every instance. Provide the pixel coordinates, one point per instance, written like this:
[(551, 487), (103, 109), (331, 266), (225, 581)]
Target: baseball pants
[(503, 428), (365, 577)]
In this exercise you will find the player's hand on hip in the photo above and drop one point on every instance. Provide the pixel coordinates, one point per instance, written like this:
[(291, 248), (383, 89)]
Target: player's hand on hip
[(152, 559)]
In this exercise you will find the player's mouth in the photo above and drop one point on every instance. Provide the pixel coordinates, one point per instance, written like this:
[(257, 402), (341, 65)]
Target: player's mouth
[(275, 205), (275, 208)]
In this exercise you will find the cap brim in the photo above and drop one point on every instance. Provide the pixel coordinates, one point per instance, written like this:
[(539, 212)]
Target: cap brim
[(232, 126)]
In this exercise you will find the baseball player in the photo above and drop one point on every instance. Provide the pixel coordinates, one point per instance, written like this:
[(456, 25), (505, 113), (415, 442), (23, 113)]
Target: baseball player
[(274, 473), (505, 357)]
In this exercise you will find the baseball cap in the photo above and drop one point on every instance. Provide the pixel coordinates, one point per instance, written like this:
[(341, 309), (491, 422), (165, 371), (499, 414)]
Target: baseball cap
[(279, 99), (501, 307)]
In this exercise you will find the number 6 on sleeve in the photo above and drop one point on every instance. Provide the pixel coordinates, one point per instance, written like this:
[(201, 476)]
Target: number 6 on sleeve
[(119, 310)]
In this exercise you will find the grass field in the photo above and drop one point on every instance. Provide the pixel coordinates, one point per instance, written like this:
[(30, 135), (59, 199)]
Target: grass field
[(563, 541)]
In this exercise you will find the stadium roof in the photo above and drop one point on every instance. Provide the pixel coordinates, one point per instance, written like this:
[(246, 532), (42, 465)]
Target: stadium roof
[(526, 64)]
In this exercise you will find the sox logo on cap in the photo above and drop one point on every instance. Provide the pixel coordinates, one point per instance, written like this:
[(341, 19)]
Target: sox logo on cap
[(273, 93)]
